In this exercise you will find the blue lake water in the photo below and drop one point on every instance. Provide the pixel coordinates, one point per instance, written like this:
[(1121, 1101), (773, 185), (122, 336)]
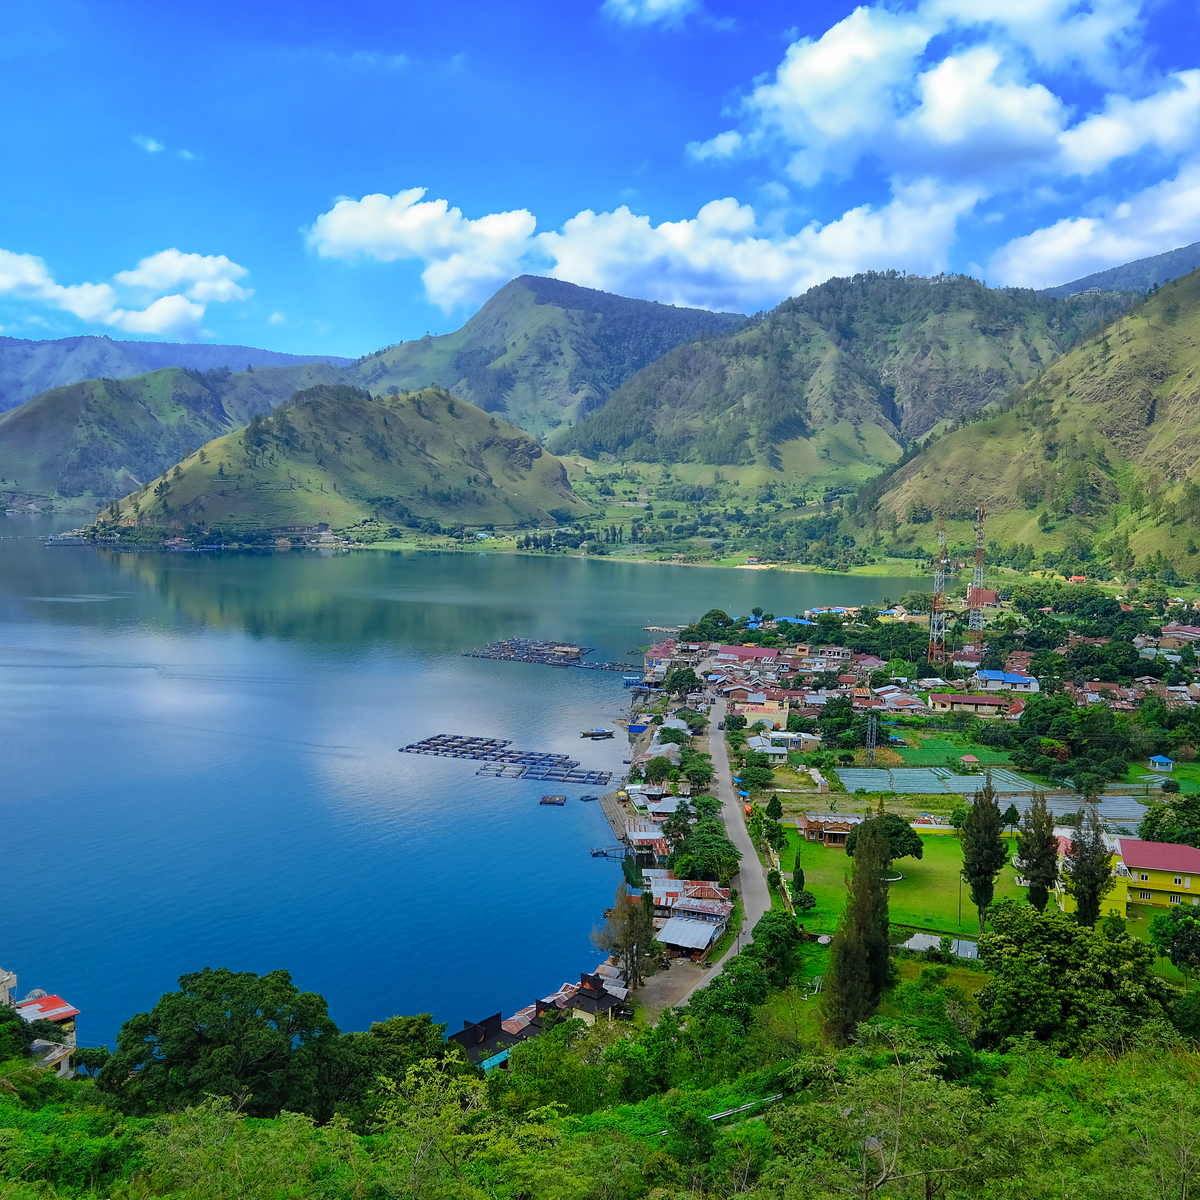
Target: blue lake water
[(200, 767)]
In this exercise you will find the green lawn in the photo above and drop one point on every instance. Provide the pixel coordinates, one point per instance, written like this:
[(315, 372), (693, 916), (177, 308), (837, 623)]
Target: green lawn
[(927, 896), (934, 752)]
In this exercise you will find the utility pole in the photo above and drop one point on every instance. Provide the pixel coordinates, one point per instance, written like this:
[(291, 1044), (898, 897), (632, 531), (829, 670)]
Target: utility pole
[(937, 612), (975, 622)]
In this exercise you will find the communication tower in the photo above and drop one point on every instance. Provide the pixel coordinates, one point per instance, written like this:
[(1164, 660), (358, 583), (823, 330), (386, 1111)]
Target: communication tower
[(937, 611), (872, 735), (975, 623)]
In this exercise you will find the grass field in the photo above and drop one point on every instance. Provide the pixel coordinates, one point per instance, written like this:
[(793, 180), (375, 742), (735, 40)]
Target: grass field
[(934, 752), (927, 897)]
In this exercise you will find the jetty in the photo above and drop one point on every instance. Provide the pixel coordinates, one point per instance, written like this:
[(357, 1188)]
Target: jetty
[(546, 654)]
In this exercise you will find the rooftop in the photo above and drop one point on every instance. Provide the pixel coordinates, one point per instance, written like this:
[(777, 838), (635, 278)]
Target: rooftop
[(1161, 856)]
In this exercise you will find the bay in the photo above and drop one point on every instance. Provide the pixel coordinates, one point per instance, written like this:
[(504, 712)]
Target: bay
[(200, 767)]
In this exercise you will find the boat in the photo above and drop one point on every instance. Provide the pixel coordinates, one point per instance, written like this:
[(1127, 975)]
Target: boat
[(597, 733), (589, 797), (558, 800)]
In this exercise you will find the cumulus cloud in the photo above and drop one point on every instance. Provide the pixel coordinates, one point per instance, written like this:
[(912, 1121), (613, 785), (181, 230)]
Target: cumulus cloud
[(199, 278), (148, 144), (649, 12), (1157, 219), (722, 258), (465, 259)]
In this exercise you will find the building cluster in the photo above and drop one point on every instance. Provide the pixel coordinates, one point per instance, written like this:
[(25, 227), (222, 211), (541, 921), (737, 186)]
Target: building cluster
[(41, 1006)]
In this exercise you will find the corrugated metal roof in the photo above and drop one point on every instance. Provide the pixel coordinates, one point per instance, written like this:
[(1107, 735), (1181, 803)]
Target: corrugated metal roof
[(1161, 856), (690, 935), (46, 1008)]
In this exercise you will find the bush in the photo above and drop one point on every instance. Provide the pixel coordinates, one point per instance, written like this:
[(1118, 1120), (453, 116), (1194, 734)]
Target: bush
[(1187, 1015), (1170, 785)]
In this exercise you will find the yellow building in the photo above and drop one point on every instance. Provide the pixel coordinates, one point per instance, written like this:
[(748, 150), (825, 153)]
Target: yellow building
[(1161, 873), (1118, 895)]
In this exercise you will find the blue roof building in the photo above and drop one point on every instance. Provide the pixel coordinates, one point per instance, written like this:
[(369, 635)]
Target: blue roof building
[(1005, 681)]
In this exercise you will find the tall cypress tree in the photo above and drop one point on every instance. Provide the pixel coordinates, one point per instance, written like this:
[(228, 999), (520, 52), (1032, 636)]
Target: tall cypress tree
[(1088, 873), (984, 852), (859, 964), (1037, 848)]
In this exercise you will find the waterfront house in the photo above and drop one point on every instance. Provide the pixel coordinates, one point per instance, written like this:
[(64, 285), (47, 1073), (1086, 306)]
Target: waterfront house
[(485, 1040), (1161, 873), (40, 1006)]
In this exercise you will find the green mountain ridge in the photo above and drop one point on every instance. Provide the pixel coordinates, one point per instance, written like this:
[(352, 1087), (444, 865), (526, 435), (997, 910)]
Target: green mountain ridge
[(541, 351), (1095, 460), (337, 455), (882, 356), (104, 437)]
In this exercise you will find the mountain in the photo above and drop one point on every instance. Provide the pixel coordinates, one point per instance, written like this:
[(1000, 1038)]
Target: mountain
[(541, 351), (1099, 453), (1137, 276), (103, 437), (27, 367), (337, 455), (846, 372)]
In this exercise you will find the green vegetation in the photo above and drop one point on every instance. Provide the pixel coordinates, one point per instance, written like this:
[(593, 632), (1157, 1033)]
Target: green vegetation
[(541, 351), (336, 455)]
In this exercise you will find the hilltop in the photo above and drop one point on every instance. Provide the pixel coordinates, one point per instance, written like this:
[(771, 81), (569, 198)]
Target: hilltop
[(841, 376), (29, 367), (1095, 461), (542, 351), (105, 437), (335, 454), (1138, 276)]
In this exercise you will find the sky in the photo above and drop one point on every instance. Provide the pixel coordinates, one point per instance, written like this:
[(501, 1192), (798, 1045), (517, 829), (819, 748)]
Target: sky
[(330, 179)]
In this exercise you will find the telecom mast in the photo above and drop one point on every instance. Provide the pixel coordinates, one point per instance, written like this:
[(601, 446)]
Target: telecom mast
[(937, 613), (976, 622), (872, 735)]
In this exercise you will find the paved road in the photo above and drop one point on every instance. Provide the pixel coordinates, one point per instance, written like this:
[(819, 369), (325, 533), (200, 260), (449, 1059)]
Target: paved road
[(751, 881)]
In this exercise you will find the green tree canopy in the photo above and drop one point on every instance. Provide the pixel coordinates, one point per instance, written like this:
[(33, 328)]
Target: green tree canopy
[(900, 838)]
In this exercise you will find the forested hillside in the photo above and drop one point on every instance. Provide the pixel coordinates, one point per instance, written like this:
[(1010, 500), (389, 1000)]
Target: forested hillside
[(1138, 276), (104, 437), (866, 362), (1095, 462), (542, 351), (334, 454)]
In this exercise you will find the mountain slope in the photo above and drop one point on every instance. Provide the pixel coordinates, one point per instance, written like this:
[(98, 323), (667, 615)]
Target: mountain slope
[(881, 357), (103, 437), (1137, 276), (30, 367), (337, 455), (1107, 438), (542, 351)]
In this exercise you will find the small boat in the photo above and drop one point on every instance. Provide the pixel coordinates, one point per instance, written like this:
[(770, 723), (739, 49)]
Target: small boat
[(596, 733), (558, 800), (589, 798)]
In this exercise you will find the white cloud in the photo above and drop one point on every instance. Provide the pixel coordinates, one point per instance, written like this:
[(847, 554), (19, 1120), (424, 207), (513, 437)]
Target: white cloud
[(148, 144), (203, 278), (649, 12), (724, 145), (721, 258), (1158, 219), (465, 259), (187, 155), (277, 318)]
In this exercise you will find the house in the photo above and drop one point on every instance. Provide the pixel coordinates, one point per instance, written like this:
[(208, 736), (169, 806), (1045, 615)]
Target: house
[(806, 743), (761, 744), (832, 829), (1160, 762), (1004, 681), (747, 653), (39, 1006), (982, 598), (981, 706), (1161, 873), (1112, 904)]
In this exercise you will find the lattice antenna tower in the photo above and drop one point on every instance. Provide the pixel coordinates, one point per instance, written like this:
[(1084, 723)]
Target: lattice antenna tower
[(937, 612), (975, 622), (872, 737)]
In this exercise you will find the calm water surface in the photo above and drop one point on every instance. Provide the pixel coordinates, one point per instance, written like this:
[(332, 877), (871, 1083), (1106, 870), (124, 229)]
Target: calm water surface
[(199, 767)]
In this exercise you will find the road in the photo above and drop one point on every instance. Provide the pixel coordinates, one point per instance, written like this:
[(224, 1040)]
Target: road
[(751, 881)]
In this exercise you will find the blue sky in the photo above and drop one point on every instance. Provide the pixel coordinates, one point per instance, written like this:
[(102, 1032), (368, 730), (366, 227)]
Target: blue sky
[(333, 178)]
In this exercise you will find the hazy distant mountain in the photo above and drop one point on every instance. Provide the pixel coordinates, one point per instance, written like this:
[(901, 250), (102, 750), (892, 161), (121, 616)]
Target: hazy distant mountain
[(1136, 276), (541, 351), (29, 367)]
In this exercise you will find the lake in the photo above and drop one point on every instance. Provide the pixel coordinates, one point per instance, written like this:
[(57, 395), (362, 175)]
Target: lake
[(200, 767)]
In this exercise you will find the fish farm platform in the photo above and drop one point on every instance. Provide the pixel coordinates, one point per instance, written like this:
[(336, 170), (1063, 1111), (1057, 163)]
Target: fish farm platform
[(547, 654), (497, 761)]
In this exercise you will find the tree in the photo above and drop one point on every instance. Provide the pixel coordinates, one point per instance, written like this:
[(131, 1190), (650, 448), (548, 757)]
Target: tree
[(628, 934), (1037, 851), (254, 1038), (681, 680), (1176, 934), (1087, 871), (901, 839), (774, 808), (1011, 817), (797, 875), (658, 768), (804, 901), (859, 965), (984, 852), (776, 946)]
